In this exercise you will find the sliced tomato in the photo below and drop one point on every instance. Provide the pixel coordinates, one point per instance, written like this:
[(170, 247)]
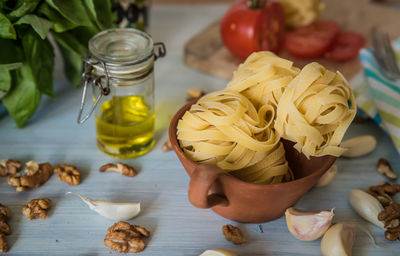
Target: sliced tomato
[(313, 40), (346, 46)]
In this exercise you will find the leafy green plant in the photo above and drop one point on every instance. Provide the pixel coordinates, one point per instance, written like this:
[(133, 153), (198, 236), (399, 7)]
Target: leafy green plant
[(27, 55)]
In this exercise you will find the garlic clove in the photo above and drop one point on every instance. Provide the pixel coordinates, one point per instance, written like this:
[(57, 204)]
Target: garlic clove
[(358, 146), (339, 239), (306, 225), (328, 176), (218, 252), (110, 210), (366, 206)]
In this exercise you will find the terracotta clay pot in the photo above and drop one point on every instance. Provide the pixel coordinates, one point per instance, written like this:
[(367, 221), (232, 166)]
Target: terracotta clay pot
[(211, 187)]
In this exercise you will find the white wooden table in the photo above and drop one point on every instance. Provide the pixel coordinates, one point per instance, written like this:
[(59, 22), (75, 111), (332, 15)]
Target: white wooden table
[(177, 228)]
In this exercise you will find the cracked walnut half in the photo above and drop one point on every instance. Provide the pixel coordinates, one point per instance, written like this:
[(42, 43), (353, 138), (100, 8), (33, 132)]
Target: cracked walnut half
[(5, 229), (233, 234), (9, 167), (32, 179), (391, 216), (68, 173), (3, 244), (124, 237), (121, 168), (36, 208)]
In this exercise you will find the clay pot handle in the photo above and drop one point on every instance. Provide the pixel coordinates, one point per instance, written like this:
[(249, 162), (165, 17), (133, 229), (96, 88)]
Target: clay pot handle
[(201, 180)]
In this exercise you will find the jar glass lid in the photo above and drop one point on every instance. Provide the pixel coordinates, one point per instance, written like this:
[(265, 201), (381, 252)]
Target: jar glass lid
[(121, 46)]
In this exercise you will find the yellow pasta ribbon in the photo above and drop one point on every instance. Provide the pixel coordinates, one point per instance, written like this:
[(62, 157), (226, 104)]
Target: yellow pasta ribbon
[(225, 129), (262, 78), (315, 111)]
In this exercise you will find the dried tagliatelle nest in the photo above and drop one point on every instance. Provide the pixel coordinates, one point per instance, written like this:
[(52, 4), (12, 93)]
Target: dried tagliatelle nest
[(225, 129), (239, 128), (315, 111), (263, 78)]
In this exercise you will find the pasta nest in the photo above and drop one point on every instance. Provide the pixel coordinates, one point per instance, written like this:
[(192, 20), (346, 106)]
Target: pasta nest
[(262, 78), (315, 111), (225, 129)]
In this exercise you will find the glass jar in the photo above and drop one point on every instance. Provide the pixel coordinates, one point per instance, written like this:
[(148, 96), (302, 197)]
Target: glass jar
[(120, 69)]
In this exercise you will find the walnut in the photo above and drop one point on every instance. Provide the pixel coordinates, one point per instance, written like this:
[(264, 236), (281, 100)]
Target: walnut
[(68, 173), (4, 214), (384, 192), (233, 234), (167, 146), (31, 167), (391, 216), (3, 244), (36, 208), (121, 168), (9, 167), (31, 179), (4, 210), (124, 237), (194, 94), (383, 166), (5, 229)]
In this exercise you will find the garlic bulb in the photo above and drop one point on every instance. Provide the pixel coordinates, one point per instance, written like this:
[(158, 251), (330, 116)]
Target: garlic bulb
[(308, 226), (339, 240), (110, 210), (366, 206)]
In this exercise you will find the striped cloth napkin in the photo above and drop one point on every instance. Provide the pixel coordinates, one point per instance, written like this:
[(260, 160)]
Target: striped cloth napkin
[(378, 96)]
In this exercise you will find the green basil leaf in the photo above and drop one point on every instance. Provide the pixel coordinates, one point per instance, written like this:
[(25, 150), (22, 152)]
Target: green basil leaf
[(6, 28), (23, 99), (101, 12), (73, 10), (72, 65), (11, 55), (60, 23), (5, 80), (72, 51), (69, 41), (83, 35), (40, 25), (40, 56), (23, 7)]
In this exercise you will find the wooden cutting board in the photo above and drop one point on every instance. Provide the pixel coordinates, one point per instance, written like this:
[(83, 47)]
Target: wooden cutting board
[(206, 52)]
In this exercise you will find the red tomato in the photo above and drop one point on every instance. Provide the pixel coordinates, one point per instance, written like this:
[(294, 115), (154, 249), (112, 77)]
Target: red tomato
[(346, 46), (245, 30), (313, 40)]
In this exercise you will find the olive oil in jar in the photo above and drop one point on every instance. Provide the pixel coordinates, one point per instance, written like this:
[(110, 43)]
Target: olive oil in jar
[(125, 127), (120, 70)]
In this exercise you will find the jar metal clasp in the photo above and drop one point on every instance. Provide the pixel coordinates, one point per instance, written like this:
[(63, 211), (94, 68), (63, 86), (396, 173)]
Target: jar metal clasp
[(87, 78), (159, 50)]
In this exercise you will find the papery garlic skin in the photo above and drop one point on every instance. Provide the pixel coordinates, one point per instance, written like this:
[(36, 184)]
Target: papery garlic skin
[(218, 252), (110, 210), (306, 225), (339, 239), (367, 206)]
